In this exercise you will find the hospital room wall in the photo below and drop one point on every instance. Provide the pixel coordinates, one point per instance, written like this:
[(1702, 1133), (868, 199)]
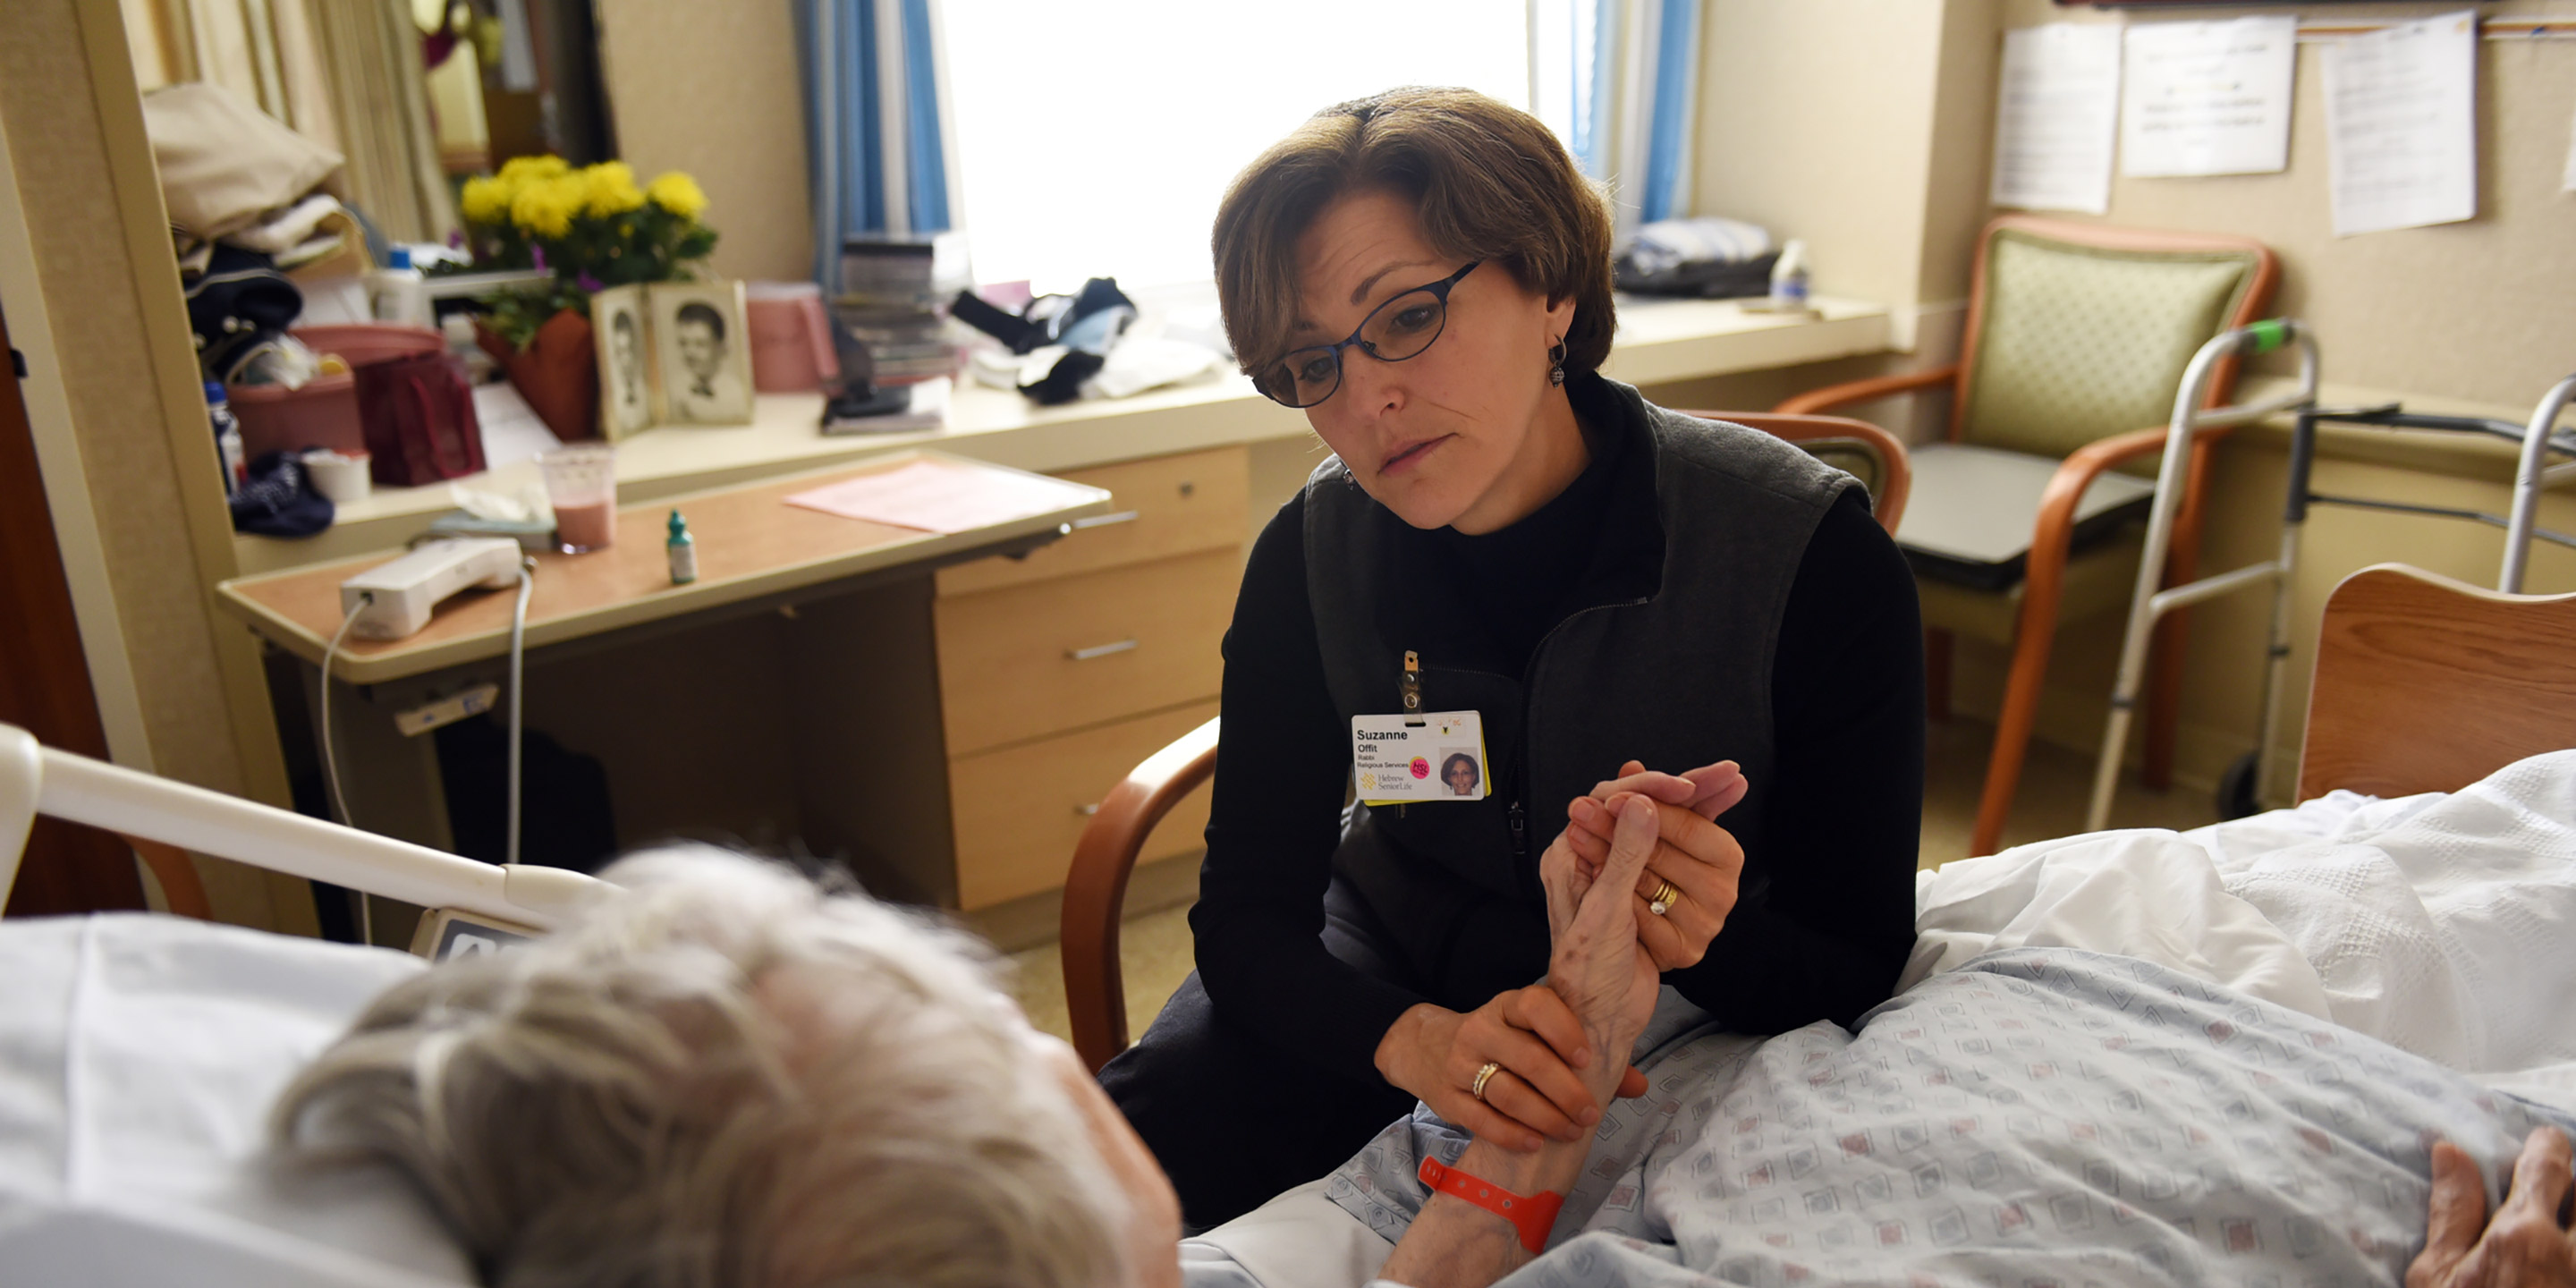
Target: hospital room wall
[(120, 428), (1862, 128), (724, 102), (2473, 315), (2476, 310)]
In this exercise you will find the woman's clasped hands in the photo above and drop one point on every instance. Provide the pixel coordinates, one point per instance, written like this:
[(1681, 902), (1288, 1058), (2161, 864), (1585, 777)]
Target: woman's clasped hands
[(1534, 1063), (1536, 1054), (1695, 866)]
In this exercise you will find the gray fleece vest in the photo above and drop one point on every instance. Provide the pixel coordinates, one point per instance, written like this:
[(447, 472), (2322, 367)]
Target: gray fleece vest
[(1670, 664)]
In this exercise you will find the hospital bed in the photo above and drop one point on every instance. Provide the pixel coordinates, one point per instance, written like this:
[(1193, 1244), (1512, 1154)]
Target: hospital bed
[(138, 1054)]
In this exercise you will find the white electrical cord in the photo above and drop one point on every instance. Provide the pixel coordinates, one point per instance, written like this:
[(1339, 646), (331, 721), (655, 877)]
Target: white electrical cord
[(331, 762), (518, 661), (518, 668)]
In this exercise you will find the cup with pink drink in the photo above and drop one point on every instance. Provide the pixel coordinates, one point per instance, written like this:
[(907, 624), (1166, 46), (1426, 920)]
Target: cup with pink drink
[(581, 482)]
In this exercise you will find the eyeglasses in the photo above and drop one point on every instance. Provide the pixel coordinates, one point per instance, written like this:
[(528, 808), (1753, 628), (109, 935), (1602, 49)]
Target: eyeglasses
[(1399, 329)]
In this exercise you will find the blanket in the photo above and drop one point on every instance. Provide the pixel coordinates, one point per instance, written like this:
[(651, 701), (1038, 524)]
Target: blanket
[(2041, 1115)]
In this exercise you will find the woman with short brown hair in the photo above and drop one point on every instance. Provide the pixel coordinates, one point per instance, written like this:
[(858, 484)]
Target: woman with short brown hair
[(1507, 550)]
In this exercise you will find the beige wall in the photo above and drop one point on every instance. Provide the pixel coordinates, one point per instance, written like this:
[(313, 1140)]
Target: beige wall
[(1814, 122), (718, 95), (102, 278), (2478, 310), (1861, 127), (1823, 120)]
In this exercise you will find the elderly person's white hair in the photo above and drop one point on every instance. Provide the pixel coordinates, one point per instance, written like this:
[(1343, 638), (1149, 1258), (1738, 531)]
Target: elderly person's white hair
[(729, 1076)]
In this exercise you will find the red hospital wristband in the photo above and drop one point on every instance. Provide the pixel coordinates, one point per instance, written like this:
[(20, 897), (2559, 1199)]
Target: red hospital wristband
[(1533, 1215)]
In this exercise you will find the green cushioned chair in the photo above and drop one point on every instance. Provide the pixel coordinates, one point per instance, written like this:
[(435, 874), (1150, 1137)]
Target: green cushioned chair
[(2076, 341)]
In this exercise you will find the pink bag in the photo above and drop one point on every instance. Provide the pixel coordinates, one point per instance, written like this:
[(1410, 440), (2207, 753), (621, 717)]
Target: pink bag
[(791, 338)]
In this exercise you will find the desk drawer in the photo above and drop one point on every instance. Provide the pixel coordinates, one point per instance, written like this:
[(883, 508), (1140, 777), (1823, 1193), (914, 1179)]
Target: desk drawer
[(1019, 811), (1056, 655), (1161, 506)]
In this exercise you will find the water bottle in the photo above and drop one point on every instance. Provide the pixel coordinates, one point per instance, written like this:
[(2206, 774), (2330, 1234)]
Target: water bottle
[(228, 439), (398, 292), (1789, 279)]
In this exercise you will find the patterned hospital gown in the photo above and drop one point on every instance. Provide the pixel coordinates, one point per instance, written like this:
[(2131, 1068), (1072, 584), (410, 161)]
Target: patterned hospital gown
[(2040, 1117)]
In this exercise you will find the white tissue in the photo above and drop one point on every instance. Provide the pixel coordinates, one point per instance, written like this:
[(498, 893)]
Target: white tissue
[(528, 506)]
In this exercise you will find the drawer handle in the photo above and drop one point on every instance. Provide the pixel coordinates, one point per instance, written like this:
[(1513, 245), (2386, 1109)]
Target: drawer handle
[(1098, 650), (1086, 810), (1105, 520)]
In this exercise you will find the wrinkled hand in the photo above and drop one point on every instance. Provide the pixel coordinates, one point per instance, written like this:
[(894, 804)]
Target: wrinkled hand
[(1541, 1045), (1596, 963), (2526, 1246), (1701, 859)]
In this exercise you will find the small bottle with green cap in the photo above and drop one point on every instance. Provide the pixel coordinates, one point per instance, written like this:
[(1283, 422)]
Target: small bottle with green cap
[(684, 552)]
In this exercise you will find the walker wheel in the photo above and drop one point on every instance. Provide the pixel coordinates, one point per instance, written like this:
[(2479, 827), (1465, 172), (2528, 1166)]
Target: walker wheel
[(2236, 790)]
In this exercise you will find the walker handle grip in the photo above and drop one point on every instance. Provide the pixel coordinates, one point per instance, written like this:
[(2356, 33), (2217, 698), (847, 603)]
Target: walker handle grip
[(2268, 334)]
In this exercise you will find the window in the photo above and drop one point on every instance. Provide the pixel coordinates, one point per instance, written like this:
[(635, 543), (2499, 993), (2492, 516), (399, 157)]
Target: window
[(1095, 139)]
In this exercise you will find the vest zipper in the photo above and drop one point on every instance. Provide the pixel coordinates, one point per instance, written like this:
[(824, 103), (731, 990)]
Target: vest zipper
[(1529, 703)]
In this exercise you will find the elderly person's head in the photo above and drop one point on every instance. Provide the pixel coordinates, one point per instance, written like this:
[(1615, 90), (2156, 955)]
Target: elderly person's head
[(1421, 271), (733, 1076)]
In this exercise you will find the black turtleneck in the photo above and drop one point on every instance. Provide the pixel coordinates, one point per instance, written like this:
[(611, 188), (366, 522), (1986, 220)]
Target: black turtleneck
[(1521, 576)]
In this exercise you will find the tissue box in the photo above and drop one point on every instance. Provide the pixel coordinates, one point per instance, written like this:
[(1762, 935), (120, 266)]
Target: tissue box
[(533, 537)]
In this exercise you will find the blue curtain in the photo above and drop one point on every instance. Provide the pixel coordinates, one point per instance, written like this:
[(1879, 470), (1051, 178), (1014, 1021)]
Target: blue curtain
[(1636, 100), (1672, 107), (877, 157)]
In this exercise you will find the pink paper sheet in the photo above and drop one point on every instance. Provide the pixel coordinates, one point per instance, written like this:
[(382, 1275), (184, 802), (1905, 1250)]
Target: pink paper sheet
[(940, 496)]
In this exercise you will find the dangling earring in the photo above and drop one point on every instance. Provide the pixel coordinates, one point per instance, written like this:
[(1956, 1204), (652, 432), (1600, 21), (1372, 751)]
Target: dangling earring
[(1556, 364)]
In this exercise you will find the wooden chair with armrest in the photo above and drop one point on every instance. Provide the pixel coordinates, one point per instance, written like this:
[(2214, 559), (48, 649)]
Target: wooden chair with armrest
[(1095, 890), (2077, 336), (1856, 447)]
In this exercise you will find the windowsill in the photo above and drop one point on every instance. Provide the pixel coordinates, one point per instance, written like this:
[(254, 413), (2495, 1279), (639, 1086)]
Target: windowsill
[(1659, 340)]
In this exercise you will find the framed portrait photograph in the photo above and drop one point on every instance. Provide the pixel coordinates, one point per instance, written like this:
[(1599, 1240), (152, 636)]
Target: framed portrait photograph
[(701, 351), (620, 330)]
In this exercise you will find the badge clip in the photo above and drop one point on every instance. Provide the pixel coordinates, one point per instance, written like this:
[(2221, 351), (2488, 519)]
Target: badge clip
[(1412, 689)]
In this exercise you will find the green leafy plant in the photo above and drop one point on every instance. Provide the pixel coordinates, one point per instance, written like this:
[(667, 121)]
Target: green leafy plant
[(516, 315)]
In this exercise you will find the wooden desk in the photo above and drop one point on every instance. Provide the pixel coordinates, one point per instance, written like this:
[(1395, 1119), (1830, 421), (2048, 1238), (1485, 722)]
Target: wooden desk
[(751, 545), (788, 700)]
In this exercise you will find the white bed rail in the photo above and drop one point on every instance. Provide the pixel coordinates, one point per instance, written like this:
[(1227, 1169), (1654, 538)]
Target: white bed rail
[(36, 779)]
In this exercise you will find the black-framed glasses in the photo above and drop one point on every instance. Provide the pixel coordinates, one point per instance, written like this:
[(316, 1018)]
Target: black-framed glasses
[(1399, 329)]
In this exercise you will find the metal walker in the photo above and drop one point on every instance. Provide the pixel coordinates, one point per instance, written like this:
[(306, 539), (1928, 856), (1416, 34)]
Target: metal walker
[(2242, 789)]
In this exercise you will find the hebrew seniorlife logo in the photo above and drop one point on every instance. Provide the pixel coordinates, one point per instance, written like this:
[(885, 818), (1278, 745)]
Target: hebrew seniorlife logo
[(1421, 767)]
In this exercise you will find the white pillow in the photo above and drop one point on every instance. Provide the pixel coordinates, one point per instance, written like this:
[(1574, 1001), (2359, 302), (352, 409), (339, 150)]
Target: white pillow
[(139, 1056)]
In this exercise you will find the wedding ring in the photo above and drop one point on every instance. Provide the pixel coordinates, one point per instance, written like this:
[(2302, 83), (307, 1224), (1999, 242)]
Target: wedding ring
[(1477, 1088), (1665, 896)]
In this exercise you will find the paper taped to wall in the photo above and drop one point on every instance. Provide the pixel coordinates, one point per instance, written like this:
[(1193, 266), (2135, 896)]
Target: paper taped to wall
[(2207, 97), (2567, 183), (2058, 117), (2401, 125)]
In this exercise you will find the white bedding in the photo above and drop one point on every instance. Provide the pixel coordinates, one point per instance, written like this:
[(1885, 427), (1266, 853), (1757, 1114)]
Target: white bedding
[(138, 1055), (138, 1059), (2441, 924)]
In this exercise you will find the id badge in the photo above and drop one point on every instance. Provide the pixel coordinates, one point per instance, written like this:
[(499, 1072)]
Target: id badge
[(1405, 760)]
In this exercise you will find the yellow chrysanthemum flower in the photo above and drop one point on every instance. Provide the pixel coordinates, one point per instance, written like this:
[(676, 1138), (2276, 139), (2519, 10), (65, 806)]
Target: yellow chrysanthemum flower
[(485, 201), (546, 209), (523, 170), (677, 193), (612, 189)]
